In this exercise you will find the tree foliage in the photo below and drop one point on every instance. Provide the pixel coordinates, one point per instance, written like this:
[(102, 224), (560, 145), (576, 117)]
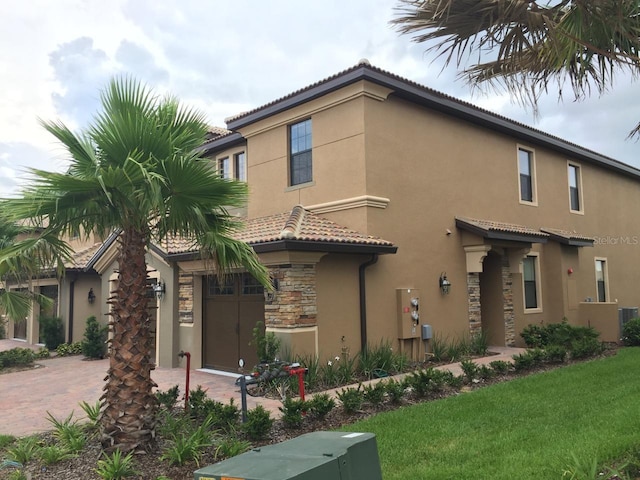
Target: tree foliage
[(135, 171), (526, 45)]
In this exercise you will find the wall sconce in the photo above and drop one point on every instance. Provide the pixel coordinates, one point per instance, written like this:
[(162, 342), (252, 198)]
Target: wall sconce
[(445, 285), (270, 294), (159, 289), (91, 297)]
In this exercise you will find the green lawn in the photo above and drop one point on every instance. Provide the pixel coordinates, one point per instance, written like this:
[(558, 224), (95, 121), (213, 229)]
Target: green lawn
[(523, 429)]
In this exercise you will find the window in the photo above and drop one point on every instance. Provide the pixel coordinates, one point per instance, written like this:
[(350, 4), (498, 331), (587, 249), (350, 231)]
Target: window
[(300, 169), (224, 168), (575, 188), (530, 277), (601, 280), (240, 166), (526, 169)]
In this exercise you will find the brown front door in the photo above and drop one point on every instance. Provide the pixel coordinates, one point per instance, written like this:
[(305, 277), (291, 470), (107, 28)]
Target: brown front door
[(233, 306)]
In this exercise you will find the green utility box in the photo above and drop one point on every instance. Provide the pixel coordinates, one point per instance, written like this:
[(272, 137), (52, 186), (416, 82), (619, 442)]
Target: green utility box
[(314, 456)]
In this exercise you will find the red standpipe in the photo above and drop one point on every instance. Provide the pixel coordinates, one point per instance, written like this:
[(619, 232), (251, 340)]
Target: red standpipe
[(300, 372), (186, 395)]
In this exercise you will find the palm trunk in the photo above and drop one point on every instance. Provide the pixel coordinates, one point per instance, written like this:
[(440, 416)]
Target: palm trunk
[(129, 405)]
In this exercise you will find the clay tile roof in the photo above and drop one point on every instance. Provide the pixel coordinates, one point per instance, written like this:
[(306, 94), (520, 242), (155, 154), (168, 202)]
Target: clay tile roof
[(501, 231), (568, 237), (301, 224), (298, 224), (217, 132), (81, 257)]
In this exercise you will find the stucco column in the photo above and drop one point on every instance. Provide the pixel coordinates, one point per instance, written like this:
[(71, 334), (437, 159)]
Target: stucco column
[(473, 295)]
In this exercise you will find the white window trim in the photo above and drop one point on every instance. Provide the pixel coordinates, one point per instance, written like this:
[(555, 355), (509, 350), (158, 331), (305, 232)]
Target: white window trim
[(580, 187), (538, 309), (534, 176), (605, 272)]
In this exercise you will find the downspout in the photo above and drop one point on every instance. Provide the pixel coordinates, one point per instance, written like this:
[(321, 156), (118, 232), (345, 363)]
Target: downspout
[(363, 300), (72, 291)]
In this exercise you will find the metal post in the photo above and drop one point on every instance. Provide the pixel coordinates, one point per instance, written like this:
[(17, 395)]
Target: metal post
[(243, 397), (188, 374)]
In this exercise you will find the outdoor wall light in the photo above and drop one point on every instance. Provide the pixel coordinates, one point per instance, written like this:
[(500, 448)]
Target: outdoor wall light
[(159, 289), (91, 297), (445, 284), (270, 294)]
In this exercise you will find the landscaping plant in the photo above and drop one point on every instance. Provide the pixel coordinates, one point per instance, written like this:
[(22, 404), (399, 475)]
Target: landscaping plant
[(95, 337), (631, 332), (258, 424), (116, 466), (52, 330)]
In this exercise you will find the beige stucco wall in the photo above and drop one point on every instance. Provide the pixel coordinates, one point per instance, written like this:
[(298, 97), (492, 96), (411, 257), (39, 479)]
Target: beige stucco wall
[(432, 168)]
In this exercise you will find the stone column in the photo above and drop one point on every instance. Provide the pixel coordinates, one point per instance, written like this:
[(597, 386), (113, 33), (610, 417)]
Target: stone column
[(185, 297), (473, 295), (507, 302), (294, 303)]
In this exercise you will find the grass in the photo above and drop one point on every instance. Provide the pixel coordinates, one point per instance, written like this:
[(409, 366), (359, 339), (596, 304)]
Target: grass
[(527, 428)]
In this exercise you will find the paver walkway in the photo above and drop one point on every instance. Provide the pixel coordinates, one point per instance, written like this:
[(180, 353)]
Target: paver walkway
[(59, 384)]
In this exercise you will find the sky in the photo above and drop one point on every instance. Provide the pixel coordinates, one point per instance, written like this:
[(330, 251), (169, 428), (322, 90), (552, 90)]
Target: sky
[(226, 57)]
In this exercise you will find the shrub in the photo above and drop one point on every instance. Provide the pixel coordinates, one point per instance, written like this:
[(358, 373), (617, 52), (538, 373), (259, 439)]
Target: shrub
[(95, 337), (486, 372), (586, 347), (66, 349), (538, 356), (52, 330), (292, 410), (16, 357), (267, 344), (556, 354), (535, 336), (374, 393), (427, 381), (470, 369), (320, 405), (168, 399), (43, 352), (631, 332), (223, 416), (54, 454), (258, 424), (395, 390), (541, 336), (351, 398), (523, 362), (500, 367)]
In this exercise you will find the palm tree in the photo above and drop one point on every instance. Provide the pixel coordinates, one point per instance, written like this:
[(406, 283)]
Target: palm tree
[(529, 44), (136, 170), (29, 257)]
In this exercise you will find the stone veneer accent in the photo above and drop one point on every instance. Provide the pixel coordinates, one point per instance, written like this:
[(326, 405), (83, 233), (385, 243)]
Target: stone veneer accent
[(473, 295), (294, 303), (185, 298), (507, 302)]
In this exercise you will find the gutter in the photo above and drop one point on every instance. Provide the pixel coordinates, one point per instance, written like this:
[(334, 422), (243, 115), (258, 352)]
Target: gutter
[(363, 300)]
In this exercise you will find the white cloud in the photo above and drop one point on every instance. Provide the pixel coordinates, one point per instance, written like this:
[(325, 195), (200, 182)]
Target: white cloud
[(227, 57)]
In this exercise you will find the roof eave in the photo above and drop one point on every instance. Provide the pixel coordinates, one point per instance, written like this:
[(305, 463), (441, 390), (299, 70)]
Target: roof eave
[(221, 143)]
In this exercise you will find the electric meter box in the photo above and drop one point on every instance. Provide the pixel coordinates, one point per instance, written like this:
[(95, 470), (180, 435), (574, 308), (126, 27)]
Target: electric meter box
[(427, 332), (408, 306), (314, 456)]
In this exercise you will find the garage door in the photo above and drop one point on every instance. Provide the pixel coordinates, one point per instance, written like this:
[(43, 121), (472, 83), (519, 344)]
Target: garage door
[(232, 307)]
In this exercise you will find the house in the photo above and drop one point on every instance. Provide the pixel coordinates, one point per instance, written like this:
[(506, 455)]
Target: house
[(387, 211), (73, 294)]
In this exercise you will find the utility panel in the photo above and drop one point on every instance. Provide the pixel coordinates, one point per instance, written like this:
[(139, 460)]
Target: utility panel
[(408, 300), (314, 456)]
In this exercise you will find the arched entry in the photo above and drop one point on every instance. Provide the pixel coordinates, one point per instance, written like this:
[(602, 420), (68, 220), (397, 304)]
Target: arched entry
[(232, 307)]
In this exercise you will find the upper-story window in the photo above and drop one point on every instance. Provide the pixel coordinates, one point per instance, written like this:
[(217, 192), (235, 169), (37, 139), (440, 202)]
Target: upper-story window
[(602, 275), (240, 166), (575, 188), (224, 167), (300, 167), (531, 281), (526, 170)]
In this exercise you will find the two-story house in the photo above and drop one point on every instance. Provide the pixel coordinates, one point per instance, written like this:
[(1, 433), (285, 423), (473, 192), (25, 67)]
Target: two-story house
[(381, 206)]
